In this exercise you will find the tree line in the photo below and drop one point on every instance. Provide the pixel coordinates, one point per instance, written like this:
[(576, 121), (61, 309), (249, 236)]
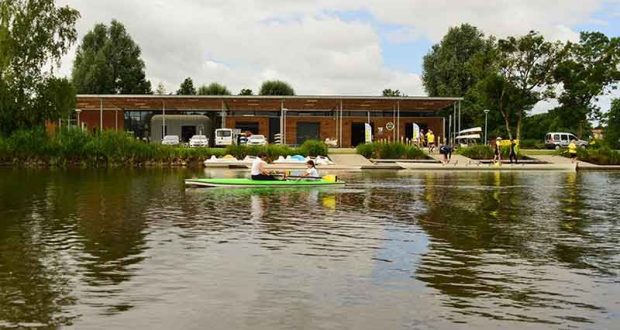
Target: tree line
[(505, 75), (509, 76)]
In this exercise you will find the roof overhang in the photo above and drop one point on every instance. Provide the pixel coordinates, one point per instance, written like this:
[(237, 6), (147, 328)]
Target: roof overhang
[(263, 103)]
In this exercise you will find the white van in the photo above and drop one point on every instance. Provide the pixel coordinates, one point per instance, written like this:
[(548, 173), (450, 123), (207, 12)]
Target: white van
[(226, 136), (557, 140)]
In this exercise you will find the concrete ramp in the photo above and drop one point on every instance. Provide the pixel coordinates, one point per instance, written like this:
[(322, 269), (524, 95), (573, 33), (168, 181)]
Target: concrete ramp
[(455, 159), (353, 160)]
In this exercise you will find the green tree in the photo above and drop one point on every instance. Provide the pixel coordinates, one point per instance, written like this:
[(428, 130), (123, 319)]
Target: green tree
[(187, 87), (392, 93), (213, 89), (449, 69), (246, 91), (108, 62), (591, 66), (515, 75), (446, 68), (276, 87), (612, 131), (34, 35)]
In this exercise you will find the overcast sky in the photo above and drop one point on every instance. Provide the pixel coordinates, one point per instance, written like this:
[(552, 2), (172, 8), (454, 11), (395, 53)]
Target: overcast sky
[(351, 47)]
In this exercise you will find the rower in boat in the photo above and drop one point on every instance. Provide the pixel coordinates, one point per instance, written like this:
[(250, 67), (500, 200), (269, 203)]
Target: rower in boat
[(311, 171), (259, 172)]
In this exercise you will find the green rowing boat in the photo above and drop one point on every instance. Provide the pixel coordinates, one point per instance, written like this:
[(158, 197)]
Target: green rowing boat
[(249, 183)]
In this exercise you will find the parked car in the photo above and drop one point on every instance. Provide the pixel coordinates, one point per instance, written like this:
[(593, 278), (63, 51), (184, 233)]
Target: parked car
[(199, 141), (171, 140), (257, 140), (557, 140)]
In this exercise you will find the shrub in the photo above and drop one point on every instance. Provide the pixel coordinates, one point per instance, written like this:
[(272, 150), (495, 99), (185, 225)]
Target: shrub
[(390, 151), (479, 151), (313, 148), (365, 149), (273, 150), (532, 144), (413, 152), (599, 156)]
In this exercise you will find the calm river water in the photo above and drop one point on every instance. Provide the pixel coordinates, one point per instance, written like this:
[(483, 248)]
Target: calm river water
[(114, 249)]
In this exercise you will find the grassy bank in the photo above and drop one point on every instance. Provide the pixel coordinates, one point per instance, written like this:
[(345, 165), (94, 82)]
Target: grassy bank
[(73, 147), (390, 151), (485, 152), (598, 156)]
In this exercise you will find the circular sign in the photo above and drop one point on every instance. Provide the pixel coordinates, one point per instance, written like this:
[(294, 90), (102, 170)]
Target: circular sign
[(389, 126)]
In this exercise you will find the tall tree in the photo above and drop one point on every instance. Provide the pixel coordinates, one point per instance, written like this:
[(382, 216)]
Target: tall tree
[(276, 87), (392, 93), (108, 62), (187, 87), (246, 91), (448, 68), (34, 35), (612, 131), (213, 89), (591, 65), (519, 76)]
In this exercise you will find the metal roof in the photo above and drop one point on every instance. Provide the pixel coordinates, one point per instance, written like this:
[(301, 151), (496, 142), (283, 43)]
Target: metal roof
[(263, 103)]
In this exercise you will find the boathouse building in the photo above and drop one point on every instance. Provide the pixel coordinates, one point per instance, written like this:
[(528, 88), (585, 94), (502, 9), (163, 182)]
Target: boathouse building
[(296, 118)]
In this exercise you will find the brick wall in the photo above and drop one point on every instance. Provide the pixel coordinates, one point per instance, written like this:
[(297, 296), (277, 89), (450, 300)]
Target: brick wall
[(112, 119)]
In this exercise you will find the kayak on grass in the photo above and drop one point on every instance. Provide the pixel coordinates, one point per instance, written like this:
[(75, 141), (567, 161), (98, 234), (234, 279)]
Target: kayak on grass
[(249, 183)]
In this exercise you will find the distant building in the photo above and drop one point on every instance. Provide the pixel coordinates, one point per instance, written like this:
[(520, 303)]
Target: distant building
[(298, 118), (597, 133)]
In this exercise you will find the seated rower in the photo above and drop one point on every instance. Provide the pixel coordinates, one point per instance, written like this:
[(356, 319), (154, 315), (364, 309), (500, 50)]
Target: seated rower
[(259, 172), (311, 171)]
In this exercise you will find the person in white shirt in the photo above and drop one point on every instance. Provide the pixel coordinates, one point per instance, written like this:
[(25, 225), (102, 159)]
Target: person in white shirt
[(311, 171), (259, 172)]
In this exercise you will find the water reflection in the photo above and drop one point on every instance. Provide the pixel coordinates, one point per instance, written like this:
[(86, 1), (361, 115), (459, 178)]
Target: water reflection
[(493, 244), (129, 249)]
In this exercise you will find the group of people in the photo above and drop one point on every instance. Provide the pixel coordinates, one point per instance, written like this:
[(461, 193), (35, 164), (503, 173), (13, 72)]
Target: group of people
[(260, 172), (512, 153), (426, 139)]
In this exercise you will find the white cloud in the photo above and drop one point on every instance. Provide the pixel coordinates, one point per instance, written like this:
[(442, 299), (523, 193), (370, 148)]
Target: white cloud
[(241, 43)]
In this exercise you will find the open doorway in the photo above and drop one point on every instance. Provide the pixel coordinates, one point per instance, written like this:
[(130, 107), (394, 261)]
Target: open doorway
[(187, 132), (358, 133)]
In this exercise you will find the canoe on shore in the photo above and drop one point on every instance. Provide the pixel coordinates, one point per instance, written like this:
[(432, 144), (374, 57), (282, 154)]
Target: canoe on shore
[(249, 183)]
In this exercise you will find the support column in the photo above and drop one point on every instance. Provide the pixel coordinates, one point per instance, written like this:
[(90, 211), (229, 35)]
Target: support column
[(398, 119), (394, 121), (450, 129), (460, 129), (100, 114), (340, 127), (443, 129), (116, 120), (223, 114), (163, 122), (454, 124)]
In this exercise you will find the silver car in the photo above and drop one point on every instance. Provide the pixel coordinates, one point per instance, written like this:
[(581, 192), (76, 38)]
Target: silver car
[(199, 141), (557, 140), (171, 140), (257, 140)]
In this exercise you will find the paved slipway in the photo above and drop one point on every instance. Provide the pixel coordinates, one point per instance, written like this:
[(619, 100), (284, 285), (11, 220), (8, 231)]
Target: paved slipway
[(355, 162)]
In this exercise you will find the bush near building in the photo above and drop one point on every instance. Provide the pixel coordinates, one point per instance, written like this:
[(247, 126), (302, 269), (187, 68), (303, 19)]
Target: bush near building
[(485, 152), (390, 151), (73, 147)]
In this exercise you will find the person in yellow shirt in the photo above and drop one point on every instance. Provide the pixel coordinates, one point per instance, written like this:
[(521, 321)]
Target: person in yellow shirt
[(430, 138), (572, 151)]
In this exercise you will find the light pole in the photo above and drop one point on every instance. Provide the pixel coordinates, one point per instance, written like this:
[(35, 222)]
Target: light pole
[(77, 111), (486, 112)]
